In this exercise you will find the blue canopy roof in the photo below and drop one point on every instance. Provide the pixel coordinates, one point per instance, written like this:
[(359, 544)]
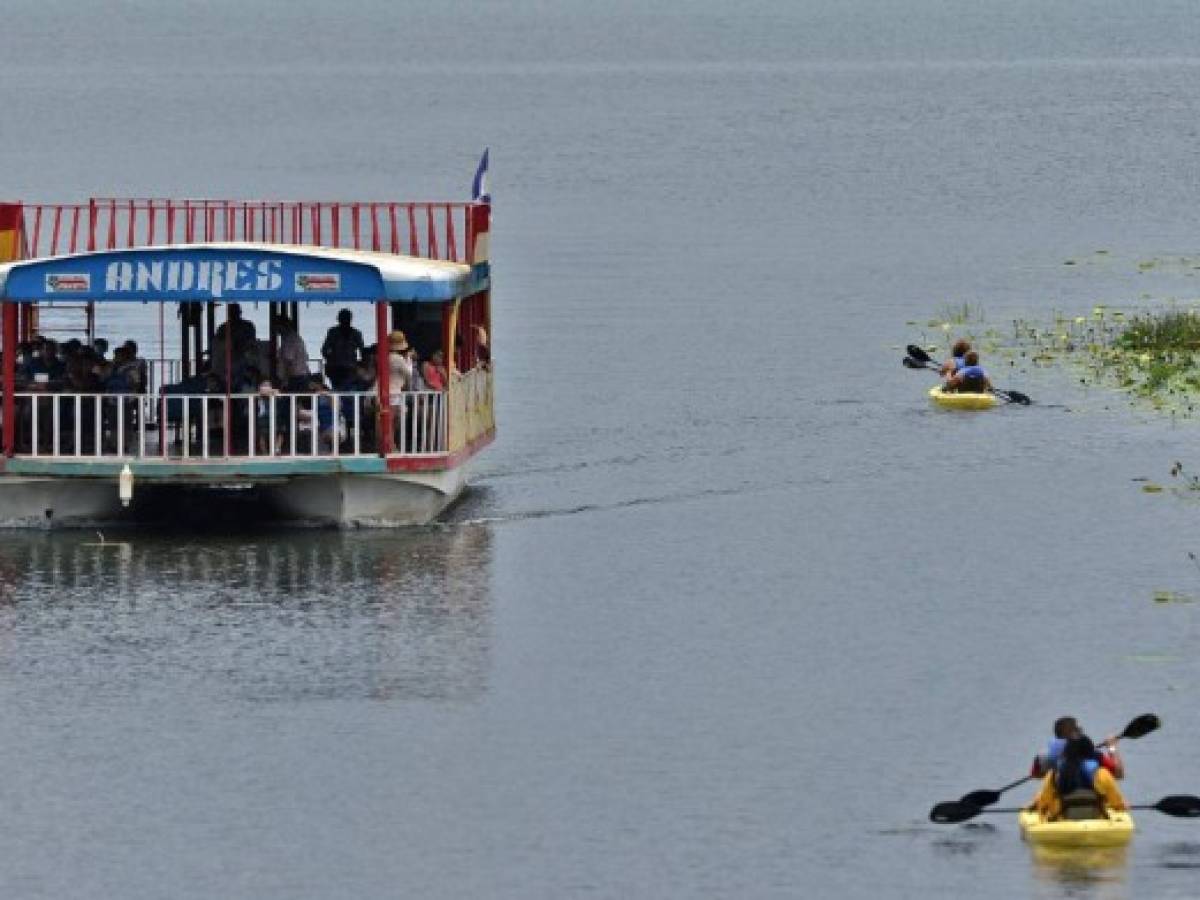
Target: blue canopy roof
[(236, 272)]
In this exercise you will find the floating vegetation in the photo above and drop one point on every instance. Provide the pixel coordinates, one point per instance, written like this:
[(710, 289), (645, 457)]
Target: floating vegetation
[(1151, 658), (1151, 355), (1154, 356), (1172, 597), (957, 314)]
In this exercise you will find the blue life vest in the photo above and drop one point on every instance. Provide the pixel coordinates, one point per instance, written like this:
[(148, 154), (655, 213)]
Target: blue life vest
[(972, 372), (959, 363), (1054, 750), (1089, 768), (1053, 755)]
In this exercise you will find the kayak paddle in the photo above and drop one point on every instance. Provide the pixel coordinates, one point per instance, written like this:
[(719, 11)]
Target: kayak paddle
[(1138, 727), (1182, 806), (919, 359)]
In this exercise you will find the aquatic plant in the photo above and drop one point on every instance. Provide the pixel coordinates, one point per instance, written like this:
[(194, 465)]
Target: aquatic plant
[(959, 313)]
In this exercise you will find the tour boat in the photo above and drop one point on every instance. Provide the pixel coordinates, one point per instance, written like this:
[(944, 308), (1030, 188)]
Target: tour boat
[(363, 454)]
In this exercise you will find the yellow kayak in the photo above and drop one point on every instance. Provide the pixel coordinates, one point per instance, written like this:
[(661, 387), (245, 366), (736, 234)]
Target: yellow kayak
[(1114, 831), (961, 399)]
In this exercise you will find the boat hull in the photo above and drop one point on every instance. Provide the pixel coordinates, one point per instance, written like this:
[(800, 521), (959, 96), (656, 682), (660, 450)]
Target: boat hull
[(961, 400), (342, 500), (1114, 831)]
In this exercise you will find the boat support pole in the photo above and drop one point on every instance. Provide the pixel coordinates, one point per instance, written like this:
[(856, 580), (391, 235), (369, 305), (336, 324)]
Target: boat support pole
[(10, 371), (382, 373)]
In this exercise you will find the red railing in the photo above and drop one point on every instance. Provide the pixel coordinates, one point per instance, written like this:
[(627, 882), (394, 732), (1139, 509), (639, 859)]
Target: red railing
[(428, 230)]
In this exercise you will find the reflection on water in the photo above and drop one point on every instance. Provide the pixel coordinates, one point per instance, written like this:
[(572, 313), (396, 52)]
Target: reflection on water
[(282, 616), (1180, 855), (966, 840), (1095, 873)]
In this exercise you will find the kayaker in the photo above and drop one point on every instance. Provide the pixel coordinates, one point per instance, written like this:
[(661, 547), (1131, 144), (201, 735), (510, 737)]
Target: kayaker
[(971, 378), (955, 362), (1066, 728), (1079, 787)]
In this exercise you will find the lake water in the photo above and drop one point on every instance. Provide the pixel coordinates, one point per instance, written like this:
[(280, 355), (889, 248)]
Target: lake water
[(729, 607)]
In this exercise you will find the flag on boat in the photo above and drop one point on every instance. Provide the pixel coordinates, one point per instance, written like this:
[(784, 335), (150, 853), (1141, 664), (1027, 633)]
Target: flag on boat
[(479, 191)]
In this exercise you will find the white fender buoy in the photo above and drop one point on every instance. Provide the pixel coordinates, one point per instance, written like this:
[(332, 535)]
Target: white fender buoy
[(125, 485)]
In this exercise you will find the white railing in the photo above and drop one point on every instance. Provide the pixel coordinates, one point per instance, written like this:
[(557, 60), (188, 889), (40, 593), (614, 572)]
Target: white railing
[(190, 427), (419, 424)]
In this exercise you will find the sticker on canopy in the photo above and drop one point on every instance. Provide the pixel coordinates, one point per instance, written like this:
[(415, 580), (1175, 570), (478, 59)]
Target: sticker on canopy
[(318, 283), (78, 283)]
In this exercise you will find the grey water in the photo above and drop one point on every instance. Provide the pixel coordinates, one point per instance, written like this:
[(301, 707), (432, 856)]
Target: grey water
[(728, 606)]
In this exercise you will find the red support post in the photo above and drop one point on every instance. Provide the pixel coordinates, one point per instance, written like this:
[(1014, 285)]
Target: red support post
[(431, 233), (37, 232), (58, 211), (447, 335), (382, 377), (414, 247), (75, 228), (10, 378)]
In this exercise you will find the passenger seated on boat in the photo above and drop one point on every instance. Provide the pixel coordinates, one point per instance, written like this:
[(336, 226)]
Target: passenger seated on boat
[(417, 382), (24, 363), (317, 410), (434, 371), (192, 386), (268, 399), (293, 357), (971, 378), (47, 362), (1065, 728), (123, 376), (140, 378), (955, 362), (483, 352), (364, 375), (1079, 787)]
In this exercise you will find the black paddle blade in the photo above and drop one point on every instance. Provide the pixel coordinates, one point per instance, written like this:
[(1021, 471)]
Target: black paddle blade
[(910, 363), (1141, 726), (918, 354), (980, 798), (1018, 398), (1183, 806), (953, 811)]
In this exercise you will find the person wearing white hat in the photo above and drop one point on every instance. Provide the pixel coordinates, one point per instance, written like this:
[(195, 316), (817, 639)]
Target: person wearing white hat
[(399, 380)]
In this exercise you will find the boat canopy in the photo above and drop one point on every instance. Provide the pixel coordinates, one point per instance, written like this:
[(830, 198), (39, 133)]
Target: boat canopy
[(232, 272)]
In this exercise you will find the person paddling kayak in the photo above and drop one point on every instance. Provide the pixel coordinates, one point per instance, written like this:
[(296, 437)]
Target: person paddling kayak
[(1079, 787), (1066, 728), (971, 378), (955, 362)]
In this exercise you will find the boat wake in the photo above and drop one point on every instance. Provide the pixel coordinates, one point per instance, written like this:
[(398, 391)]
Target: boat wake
[(467, 520)]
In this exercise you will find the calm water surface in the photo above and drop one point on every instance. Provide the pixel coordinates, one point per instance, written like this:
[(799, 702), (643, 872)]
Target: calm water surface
[(729, 607)]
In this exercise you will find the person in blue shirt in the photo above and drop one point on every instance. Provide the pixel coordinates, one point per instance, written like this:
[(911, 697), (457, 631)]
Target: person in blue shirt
[(955, 362), (1065, 729), (971, 378)]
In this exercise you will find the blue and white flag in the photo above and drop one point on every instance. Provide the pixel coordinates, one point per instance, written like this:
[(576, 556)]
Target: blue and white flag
[(479, 191)]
